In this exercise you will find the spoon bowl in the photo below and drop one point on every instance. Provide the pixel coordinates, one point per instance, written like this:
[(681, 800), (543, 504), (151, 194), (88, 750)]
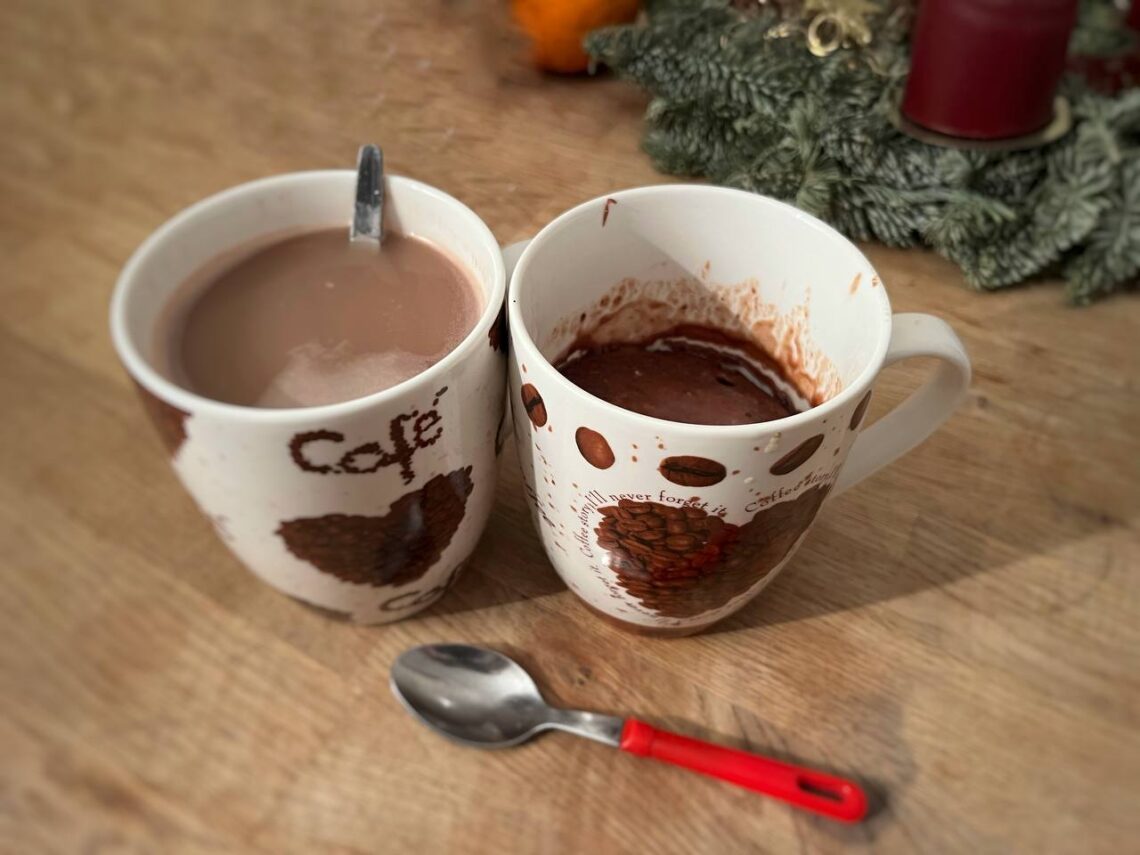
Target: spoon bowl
[(472, 695)]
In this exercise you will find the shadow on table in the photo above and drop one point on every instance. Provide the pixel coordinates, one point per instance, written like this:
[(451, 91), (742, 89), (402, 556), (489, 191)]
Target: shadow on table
[(846, 564), (835, 572), (508, 565), (866, 547)]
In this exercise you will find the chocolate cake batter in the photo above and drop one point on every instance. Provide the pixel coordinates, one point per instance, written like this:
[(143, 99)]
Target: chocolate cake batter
[(690, 374)]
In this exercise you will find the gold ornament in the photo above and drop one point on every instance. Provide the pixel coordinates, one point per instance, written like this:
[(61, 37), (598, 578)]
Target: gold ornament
[(838, 23), (828, 25)]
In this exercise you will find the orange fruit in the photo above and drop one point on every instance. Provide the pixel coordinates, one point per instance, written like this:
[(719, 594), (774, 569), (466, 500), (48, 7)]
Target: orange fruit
[(557, 27)]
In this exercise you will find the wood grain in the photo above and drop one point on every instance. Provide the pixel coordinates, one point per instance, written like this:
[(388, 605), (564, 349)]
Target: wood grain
[(962, 631)]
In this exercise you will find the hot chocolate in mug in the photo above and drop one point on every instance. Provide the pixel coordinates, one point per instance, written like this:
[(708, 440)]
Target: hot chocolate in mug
[(668, 527), (369, 507)]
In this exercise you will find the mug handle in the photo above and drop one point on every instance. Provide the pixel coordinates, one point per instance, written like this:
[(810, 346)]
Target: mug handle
[(919, 415)]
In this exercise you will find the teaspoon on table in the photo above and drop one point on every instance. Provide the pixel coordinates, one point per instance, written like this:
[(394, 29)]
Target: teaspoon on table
[(481, 698)]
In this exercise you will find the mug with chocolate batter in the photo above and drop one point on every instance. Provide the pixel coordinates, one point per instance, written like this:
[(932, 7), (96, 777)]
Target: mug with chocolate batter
[(690, 371)]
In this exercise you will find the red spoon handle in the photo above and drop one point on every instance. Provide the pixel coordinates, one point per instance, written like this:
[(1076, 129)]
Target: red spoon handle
[(821, 793)]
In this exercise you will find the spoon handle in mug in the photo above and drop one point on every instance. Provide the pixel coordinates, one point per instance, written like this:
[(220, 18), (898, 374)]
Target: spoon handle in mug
[(819, 792)]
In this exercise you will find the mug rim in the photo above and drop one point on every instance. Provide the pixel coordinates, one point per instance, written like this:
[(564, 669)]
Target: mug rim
[(856, 387), (154, 382)]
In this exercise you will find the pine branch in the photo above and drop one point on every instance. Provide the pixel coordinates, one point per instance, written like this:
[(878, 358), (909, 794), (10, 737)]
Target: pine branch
[(1111, 259)]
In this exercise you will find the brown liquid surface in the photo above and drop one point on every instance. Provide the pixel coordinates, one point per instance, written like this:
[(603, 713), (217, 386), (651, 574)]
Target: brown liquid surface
[(312, 320), (690, 374)]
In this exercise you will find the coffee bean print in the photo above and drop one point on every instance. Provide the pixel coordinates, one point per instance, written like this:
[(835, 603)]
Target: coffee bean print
[(860, 411), (168, 420), (594, 448), (497, 334), (532, 403), (394, 549), (798, 456), (690, 471), (679, 562)]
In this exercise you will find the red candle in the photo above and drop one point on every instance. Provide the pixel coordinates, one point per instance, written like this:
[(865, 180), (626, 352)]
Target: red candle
[(987, 69)]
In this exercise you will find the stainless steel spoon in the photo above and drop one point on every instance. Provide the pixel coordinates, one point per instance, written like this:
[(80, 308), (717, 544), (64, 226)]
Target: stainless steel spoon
[(481, 698), (368, 207)]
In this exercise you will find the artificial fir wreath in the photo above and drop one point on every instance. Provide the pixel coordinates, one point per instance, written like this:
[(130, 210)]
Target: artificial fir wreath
[(738, 100)]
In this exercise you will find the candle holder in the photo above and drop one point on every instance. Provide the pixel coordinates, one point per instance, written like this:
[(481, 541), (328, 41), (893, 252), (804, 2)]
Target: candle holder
[(1059, 125)]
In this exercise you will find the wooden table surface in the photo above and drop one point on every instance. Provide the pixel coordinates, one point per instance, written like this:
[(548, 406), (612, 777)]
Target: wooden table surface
[(962, 631)]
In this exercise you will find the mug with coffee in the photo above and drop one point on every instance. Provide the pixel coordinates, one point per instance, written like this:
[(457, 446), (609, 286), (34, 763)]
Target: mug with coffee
[(689, 374), (333, 409)]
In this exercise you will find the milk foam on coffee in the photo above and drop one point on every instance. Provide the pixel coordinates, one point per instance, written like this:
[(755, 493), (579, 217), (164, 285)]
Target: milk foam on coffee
[(311, 319)]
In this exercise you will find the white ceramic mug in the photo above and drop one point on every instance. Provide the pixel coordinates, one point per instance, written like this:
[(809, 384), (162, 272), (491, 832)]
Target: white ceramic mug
[(369, 507), (668, 527)]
